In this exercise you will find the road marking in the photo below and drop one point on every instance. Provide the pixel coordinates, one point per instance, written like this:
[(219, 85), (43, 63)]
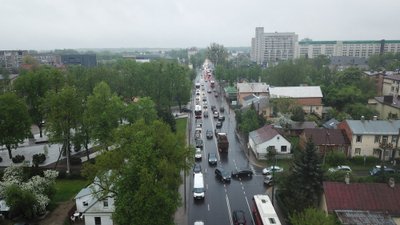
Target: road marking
[(248, 205), (208, 207), (207, 186), (205, 171), (229, 208)]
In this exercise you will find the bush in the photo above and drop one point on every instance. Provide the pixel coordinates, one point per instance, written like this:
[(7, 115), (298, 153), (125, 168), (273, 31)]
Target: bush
[(369, 160), (18, 159), (336, 158), (38, 158)]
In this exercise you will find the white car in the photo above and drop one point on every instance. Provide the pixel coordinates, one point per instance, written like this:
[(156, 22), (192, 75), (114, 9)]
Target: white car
[(199, 222), (269, 170), (198, 154), (340, 168)]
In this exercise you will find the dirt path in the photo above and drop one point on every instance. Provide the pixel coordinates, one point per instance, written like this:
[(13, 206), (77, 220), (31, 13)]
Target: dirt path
[(58, 215)]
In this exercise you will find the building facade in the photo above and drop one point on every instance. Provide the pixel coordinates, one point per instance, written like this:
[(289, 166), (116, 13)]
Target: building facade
[(12, 58), (269, 48), (86, 60)]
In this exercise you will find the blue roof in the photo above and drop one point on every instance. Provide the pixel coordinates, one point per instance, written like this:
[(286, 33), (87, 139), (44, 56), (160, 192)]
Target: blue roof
[(381, 127)]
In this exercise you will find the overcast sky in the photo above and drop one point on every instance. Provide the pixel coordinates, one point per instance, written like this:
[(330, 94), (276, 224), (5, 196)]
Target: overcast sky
[(58, 24)]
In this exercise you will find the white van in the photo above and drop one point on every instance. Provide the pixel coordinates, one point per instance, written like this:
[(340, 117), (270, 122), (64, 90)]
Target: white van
[(198, 186)]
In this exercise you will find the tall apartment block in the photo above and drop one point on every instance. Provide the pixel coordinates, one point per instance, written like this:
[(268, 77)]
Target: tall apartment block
[(272, 47), (12, 58)]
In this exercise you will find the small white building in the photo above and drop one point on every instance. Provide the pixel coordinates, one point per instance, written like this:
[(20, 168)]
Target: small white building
[(267, 137), (94, 211)]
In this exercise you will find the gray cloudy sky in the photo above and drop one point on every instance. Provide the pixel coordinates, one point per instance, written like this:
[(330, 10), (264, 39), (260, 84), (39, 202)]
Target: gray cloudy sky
[(50, 24)]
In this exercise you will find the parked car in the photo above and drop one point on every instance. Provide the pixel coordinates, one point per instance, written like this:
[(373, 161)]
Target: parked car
[(185, 110), (196, 168), (340, 168), (221, 118), (268, 180), (199, 222), (218, 124), (212, 159), (198, 154), (223, 175), (222, 109), (209, 91), (199, 143), (216, 114), (209, 134), (238, 217), (269, 170), (376, 170), (242, 173), (216, 94)]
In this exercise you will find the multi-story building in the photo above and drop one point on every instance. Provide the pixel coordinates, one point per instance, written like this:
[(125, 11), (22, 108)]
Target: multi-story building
[(363, 49), (87, 60), (12, 58), (269, 48)]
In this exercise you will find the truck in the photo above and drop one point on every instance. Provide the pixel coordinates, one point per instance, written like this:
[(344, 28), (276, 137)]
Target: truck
[(222, 142)]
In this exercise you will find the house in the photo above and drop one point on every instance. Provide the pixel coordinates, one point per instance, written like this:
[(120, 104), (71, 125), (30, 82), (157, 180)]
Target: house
[(325, 140), (390, 84), (377, 138), (94, 211), (246, 89), (387, 106), (261, 105), (367, 197), (309, 97), (267, 137), (295, 128)]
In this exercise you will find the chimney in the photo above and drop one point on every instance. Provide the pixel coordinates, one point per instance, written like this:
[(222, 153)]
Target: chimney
[(375, 118), (391, 182), (362, 118), (347, 178)]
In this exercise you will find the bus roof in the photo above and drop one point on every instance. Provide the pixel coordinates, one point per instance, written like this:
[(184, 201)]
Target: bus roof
[(266, 210)]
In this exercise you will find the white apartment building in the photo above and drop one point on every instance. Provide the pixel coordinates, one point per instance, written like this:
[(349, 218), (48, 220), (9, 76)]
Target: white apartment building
[(272, 47), (268, 48)]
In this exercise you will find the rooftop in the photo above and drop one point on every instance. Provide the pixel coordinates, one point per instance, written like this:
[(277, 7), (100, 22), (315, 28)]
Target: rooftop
[(263, 134), (252, 87), (296, 92), (381, 127), (326, 136)]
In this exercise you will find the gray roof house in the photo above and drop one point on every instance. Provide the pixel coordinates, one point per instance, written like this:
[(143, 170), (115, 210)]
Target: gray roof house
[(377, 138)]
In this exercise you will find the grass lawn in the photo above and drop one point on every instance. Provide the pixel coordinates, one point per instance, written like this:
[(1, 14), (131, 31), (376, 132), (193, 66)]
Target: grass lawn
[(181, 127), (68, 188)]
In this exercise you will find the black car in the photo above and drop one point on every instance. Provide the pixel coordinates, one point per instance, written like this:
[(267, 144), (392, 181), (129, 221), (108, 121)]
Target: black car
[(213, 108), (186, 110), (221, 118), (209, 134), (222, 175), (205, 114), (222, 109), (242, 173), (212, 159), (218, 124), (197, 168), (199, 143), (238, 217)]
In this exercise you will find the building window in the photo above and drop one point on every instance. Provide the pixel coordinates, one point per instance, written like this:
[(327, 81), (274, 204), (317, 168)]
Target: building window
[(377, 139), (271, 220), (97, 221), (357, 151), (384, 139), (283, 148), (359, 138), (394, 139), (85, 203), (105, 203)]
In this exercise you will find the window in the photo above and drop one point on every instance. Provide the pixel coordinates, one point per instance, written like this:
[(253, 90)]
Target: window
[(357, 151), (283, 148), (359, 138), (394, 139), (105, 203), (384, 139), (377, 139), (271, 220), (85, 203), (97, 221)]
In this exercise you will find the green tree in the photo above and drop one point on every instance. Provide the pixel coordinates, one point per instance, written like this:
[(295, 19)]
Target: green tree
[(103, 114), (250, 120), (297, 114), (63, 112), (303, 186), (15, 123), (144, 109), (312, 216), (145, 173), (217, 54)]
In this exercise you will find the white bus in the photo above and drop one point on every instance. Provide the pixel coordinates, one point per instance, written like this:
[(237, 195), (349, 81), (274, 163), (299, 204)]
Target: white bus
[(263, 211), (197, 111), (198, 186)]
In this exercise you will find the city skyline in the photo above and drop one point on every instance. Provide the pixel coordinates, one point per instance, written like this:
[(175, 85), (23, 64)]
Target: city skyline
[(47, 24)]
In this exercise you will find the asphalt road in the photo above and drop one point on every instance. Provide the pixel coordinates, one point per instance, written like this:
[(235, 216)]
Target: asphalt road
[(221, 199)]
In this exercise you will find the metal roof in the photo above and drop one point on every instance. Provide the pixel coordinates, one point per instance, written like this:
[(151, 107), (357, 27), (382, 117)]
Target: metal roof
[(381, 127), (252, 87), (263, 134), (296, 92)]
